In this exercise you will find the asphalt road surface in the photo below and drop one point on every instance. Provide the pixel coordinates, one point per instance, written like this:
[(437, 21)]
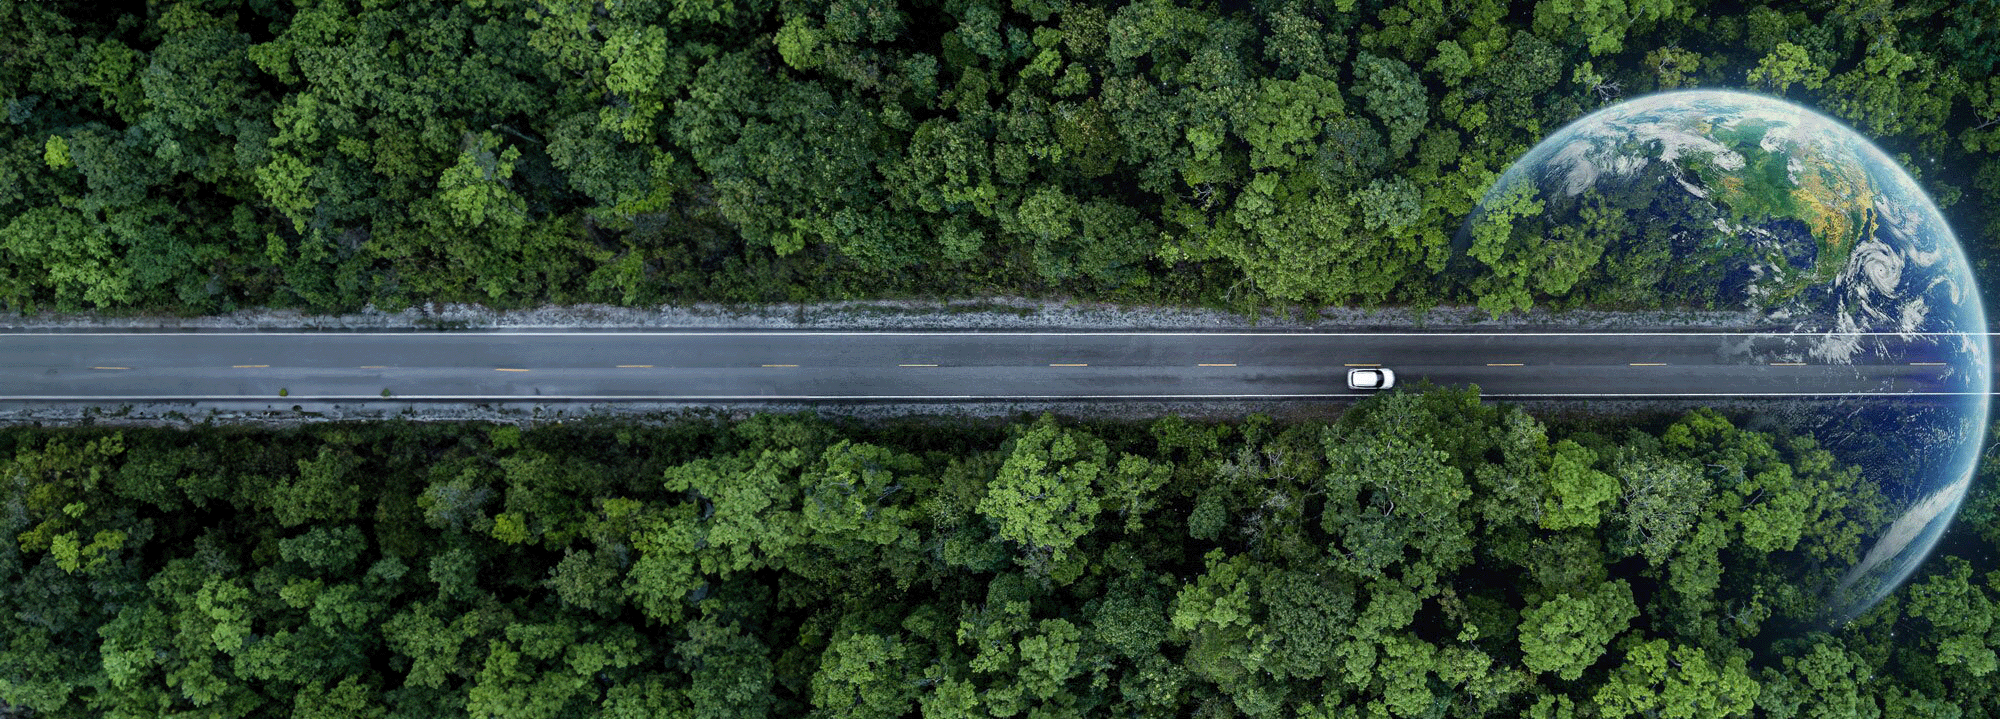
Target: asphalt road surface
[(834, 366)]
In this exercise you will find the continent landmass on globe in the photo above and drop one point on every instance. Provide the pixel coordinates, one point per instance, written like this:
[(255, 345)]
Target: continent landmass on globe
[(1831, 196), (1753, 208), (1717, 199)]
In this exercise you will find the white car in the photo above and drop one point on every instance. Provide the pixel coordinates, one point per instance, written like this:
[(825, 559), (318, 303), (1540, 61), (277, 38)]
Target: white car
[(1370, 378)]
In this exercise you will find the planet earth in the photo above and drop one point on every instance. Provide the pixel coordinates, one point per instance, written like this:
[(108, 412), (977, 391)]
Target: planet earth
[(1719, 199)]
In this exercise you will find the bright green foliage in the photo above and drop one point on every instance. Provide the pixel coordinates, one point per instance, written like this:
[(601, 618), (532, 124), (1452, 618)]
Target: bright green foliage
[(1963, 613), (1659, 678), (1500, 235), (1220, 600), (1601, 24), (475, 191), (56, 153), (1787, 65), (1659, 504), (859, 676), (1893, 92), (1827, 680), (1285, 116), (1576, 490), (1045, 495), (1566, 634), (748, 505), (87, 267)]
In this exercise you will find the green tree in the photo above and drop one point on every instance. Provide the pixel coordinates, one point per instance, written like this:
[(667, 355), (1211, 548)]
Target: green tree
[(853, 493), (731, 671), (1660, 678), (1961, 614), (1395, 95), (1046, 496), (1577, 491), (1602, 24), (327, 488), (1566, 634), (1785, 66), (1285, 116), (1660, 503), (1393, 500), (1502, 221), (863, 675)]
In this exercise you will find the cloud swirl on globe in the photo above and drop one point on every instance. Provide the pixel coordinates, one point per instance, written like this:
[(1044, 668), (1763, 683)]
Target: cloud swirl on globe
[(1728, 200)]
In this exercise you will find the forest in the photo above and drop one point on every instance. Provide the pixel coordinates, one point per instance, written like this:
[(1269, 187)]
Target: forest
[(200, 156), (1422, 555)]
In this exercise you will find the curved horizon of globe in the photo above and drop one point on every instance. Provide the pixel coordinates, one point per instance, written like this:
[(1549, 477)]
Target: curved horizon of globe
[(1723, 199)]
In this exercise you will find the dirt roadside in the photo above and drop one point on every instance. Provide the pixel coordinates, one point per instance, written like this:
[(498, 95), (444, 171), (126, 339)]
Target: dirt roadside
[(998, 313)]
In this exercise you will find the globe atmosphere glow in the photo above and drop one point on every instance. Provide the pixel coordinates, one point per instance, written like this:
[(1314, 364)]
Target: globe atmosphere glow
[(1729, 200)]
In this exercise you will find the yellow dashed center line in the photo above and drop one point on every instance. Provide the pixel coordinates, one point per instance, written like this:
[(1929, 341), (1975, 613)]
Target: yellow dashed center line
[(1649, 364), (1503, 364), (248, 366), (1229, 364), (633, 366), (111, 368), (780, 365), (1068, 365), (507, 369), (1926, 364), (916, 365), (1788, 364), (1364, 364)]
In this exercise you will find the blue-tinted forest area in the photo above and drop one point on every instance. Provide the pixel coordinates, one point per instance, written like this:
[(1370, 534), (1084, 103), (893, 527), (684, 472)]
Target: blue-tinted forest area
[(1425, 555), (209, 155)]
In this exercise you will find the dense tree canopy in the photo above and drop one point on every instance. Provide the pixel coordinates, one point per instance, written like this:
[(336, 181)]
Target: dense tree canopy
[(1424, 555), (204, 155)]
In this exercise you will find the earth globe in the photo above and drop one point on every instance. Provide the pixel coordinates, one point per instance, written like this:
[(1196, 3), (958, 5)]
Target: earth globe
[(1717, 199)]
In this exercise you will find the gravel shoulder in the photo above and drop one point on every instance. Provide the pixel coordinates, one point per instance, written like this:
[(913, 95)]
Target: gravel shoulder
[(999, 313), (1758, 413)]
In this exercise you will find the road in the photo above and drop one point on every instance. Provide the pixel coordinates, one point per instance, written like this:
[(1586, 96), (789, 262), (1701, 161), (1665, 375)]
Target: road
[(833, 366)]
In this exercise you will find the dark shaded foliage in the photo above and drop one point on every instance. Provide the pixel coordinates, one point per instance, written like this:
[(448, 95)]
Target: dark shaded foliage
[(202, 156), (1424, 556)]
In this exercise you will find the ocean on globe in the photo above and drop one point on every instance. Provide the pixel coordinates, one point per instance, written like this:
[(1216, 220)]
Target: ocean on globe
[(1729, 200)]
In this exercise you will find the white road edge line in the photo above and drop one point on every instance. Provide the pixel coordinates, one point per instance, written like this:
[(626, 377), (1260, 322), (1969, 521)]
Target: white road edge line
[(847, 333), (757, 397)]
